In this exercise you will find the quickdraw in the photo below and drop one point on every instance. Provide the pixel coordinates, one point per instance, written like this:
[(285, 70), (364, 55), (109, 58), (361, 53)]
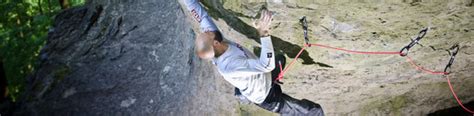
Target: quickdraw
[(403, 52), (413, 42), (452, 52), (305, 30)]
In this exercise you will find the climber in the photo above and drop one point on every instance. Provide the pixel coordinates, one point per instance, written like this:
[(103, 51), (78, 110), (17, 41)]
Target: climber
[(249, 74)]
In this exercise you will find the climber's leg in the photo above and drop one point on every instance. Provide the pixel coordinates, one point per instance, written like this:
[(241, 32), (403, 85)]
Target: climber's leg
[(292, 107), (274, 100), (283, 104)]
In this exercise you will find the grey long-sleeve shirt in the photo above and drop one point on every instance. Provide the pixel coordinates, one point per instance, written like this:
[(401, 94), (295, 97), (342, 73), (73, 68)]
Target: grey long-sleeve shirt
[(244, 70), (239, 66)]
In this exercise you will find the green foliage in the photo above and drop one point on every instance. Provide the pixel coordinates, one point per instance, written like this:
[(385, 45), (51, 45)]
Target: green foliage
[(23, 29)]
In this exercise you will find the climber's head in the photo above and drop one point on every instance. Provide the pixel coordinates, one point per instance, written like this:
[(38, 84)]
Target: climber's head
[(208, 44)]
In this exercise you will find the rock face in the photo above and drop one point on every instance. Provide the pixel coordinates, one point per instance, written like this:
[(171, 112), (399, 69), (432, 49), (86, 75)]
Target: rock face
[(355, 84), (132, 57), (125, 58)]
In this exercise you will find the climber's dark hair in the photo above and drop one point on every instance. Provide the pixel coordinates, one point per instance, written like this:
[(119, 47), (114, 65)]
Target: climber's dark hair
[(218, 36)]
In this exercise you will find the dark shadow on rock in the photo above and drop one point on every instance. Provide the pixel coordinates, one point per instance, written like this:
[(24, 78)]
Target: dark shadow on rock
[(454, 111), (256, 50), (324, 65), (280, 46)]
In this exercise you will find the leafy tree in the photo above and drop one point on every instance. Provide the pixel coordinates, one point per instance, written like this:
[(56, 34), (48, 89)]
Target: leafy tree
[(24, 26)]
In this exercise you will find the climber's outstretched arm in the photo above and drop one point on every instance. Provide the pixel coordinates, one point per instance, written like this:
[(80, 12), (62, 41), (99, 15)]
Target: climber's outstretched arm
[(242, 66), (200, 15)]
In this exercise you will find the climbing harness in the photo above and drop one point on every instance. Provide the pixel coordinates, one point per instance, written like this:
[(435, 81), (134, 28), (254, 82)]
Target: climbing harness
[(403, 52)]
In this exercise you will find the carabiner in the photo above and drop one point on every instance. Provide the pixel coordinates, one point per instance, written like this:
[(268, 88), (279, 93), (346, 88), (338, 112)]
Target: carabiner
[(305, 30), (453, 52), (405, 49)]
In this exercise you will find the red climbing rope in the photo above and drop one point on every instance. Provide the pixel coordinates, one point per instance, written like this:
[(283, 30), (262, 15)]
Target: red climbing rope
[(456, 97), (423, 69), (282, 73), (352, 51), (410, 60), (280, 76), (403, 53)]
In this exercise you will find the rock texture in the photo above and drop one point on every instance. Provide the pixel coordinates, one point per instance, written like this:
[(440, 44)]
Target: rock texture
[(125, 58), (128, 57), (354, 84)]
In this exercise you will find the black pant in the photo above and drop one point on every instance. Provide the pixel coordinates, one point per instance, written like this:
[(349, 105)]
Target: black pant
[(285, 105)]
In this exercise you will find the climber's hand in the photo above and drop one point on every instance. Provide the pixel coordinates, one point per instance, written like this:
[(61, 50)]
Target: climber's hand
[(263, 24)]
